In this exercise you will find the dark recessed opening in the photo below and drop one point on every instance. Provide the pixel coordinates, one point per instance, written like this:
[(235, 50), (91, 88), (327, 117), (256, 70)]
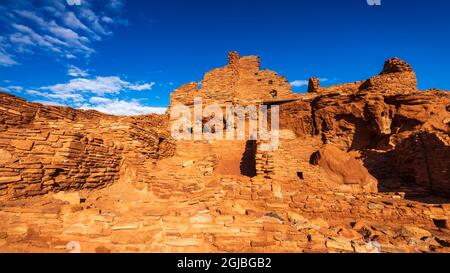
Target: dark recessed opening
[(58, 172), (300, 175), (443, 242), (248, 161), (440, 223), (274, 93), (82, 200)]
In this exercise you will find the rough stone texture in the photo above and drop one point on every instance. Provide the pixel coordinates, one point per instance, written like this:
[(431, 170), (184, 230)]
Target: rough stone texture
[(242, 80), (80, 180), (397, 77), (345, 170), (45, 148), (314, 85)]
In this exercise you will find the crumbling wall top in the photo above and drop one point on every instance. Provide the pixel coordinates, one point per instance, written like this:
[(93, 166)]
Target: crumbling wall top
[(396, 65)]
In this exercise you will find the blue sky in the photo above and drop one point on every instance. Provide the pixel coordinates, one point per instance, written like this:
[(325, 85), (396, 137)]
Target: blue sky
[(125, 57)]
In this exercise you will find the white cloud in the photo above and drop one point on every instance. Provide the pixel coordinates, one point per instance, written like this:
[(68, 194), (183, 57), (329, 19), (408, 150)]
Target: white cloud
[(76, 72), (91, 92), (26, 33), (55, 27), (76, 98), (98, 86), (33, 92), (63, 97), (70, 56), (142, 87), (116, 4), (99, 100), (71, 38), (73, 22), (94, 22), (11, 88), (31, 16), (19, 38), (121, 107), (107, 19), (300, 83), (103, 94), (15, 88), (5, 58)]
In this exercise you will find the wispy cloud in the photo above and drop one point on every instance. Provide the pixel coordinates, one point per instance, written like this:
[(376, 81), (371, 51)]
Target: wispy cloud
[(98, 86), (76, 72), (104, 94), (6, 59), (15, 88), (121, 107), (141, 87), (96, 93), (61, 97), (67, 33), (11, 89), (55, 27)]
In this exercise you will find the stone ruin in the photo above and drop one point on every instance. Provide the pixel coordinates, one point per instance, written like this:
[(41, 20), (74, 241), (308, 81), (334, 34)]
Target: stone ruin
[(241, 80), (357, 163), (397, 78)]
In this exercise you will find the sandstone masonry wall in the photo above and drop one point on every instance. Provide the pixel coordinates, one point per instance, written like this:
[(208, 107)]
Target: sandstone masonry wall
[(397, 77), (45, 148), (242, 80)]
